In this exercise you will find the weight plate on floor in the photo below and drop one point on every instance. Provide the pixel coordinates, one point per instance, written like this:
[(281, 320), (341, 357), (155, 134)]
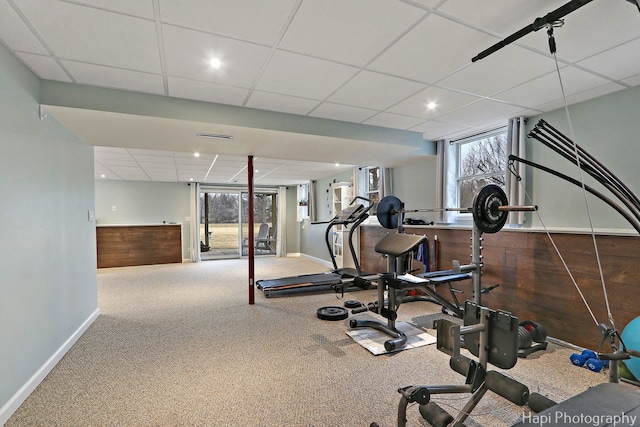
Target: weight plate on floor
[(352, 304), (486, 215), (332, 313), (387, 211)]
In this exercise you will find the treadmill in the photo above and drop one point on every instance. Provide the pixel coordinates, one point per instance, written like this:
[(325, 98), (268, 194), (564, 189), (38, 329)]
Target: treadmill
[(351, 217)]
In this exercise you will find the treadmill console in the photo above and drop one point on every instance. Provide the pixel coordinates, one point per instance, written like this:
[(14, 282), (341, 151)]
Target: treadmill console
[(349, 214)]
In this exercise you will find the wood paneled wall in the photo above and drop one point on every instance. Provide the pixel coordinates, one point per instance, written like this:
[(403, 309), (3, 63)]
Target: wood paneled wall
[(534, 284), (120, 246)]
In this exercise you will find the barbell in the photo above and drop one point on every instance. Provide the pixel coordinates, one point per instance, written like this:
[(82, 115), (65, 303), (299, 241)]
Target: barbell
[(490, 209)]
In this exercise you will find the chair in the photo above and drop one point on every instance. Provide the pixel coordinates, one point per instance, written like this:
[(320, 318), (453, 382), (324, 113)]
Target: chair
[(263, 239)]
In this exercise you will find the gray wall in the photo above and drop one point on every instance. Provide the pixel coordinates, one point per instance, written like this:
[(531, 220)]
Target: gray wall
[(608, 129), (141, 202), (312, 236), (415, 185), (48, 286)]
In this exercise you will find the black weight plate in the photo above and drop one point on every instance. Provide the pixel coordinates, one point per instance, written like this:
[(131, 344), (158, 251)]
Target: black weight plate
[(537, 331), (352, 304), (387, 211), (486, 215), (332, 313)]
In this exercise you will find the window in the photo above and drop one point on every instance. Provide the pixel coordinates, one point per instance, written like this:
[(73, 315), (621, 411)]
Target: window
[(303, 202), (373, 184), (481, 160)]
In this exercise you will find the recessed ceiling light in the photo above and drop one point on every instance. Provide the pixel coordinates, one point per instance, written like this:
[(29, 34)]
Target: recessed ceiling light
[(196, 154), (432, 105), (103, 176), (337, 164), (215, 63), (191, 179)]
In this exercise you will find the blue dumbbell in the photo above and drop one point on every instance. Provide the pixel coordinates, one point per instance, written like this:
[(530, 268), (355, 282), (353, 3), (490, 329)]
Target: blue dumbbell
[(581, 359), (596, 365)]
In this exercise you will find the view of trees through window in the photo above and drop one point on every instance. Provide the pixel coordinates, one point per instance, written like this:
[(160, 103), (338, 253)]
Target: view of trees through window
[(482, 161), (373, 184)]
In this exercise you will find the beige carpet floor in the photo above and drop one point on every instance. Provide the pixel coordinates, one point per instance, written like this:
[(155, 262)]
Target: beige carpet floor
[(179, 345)]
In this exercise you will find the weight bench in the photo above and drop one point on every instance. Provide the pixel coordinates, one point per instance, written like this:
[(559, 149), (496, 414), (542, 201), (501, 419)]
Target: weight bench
[(606, 404), (398, 284), (428, 282)]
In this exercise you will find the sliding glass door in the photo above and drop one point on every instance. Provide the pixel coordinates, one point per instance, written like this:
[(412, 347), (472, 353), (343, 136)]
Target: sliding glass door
[(265, 223), (224, 218), (219, 225)]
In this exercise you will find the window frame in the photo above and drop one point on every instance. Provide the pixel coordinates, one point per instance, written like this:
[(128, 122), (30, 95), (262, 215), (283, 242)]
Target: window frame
[(458, 179)]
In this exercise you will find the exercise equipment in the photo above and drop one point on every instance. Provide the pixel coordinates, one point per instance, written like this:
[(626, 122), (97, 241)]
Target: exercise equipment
[(589, 359), (490, 210), (352, 304), (332, 313), (489, 335), (581, 359), (529, 333), (353, 215), (631, 337), (396, 247)]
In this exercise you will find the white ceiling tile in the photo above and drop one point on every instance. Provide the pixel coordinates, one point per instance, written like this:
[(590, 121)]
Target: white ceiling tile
[(282, 103), (345, 113), (258, 21), (547, 88), (127, 170), (143, 158), (93, 35), (188, 157), (582, 96), (109, 162), (110, 150), (617, 63), (141, 8), (163, 153), (188, 53), (391, 120), (125, 177), (208, 92), (502, 17), (15, 33), (98, 75), (595, 27), (434, 129), (446, 101), (151, 170), (297, 75), (414, 55), (479, 113), (195, 165), (494, 73), (375, 90), (45, 67), (632, 81), (427, 3), (105, 155), (351, 32)]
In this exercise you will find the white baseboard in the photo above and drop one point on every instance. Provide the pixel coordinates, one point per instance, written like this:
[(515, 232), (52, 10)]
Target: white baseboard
[(318, 260), (21, 395)]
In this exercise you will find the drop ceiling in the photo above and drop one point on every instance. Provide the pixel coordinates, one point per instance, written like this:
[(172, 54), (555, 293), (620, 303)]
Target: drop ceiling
[(366, 63)]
